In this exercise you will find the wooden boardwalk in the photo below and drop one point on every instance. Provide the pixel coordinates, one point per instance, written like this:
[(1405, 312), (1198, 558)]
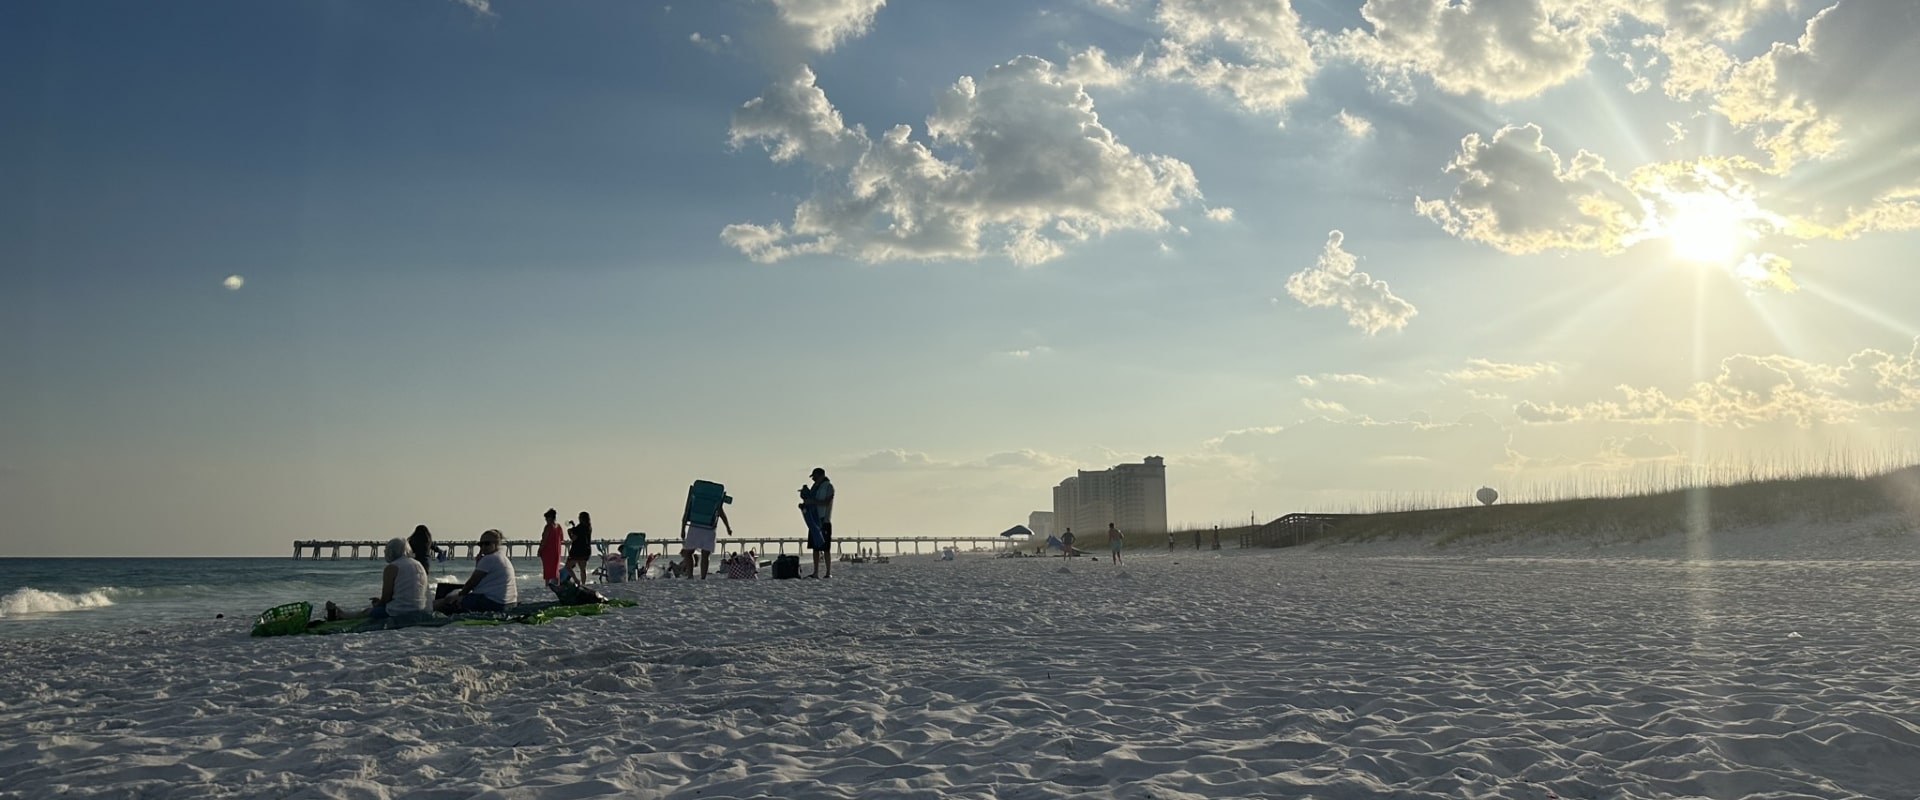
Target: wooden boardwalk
[(333, 549)]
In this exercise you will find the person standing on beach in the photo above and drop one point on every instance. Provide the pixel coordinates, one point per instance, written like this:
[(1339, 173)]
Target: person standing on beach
[(491, 586), (1169, 541), (421, 543), (1196, 538), (1066, 543), (820, 499), (1114, 542), (551, 540), (698, 541), (581, 550)]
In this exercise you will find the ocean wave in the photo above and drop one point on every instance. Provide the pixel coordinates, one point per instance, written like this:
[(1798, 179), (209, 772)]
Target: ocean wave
[(35, 601)]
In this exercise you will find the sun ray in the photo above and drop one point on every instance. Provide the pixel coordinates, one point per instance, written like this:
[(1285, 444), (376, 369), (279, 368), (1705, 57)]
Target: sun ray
[(1862, 310)]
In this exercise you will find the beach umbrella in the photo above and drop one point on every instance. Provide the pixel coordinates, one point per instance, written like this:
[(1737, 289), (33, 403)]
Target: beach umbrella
[(1017, 530)]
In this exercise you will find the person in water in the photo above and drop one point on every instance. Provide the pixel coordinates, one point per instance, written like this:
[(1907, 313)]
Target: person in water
[(403, 589), (491, 586), (421, 543), (551, 542), (581, 550)]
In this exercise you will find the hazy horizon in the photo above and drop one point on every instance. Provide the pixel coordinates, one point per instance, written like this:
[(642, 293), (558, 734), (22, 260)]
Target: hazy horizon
[(314, 270)]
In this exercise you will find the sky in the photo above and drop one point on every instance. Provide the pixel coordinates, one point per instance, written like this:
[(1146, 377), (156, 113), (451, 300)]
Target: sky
[(330, 269)]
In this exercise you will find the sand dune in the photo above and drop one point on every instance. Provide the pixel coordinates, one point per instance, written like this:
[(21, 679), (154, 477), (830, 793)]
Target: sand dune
[(1379, 670)]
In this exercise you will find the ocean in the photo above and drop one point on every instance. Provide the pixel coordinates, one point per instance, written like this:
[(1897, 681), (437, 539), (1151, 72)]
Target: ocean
[(61, 596)]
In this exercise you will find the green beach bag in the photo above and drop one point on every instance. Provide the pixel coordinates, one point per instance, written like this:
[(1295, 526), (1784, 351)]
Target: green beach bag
[(283, 620)]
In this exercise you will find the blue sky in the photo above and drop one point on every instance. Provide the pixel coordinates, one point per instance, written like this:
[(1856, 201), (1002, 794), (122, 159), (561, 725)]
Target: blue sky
[(500, 256)]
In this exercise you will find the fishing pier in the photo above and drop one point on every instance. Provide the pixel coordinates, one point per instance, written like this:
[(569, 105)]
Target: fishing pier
[(335, 549)]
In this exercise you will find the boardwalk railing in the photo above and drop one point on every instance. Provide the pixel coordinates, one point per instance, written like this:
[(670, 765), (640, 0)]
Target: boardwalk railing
[(1292, 530), (332, 549)]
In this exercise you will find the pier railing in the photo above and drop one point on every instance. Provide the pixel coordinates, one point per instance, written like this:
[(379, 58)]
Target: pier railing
[(332, 549)]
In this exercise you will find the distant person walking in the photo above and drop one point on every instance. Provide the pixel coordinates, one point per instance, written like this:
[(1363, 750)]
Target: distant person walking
[(819, 498), (1115, 542), (1216, 537), (1169, 541), (581, 550), (421, 543), (1066, 543), (552, 542), (698, 540), (1196, 538)]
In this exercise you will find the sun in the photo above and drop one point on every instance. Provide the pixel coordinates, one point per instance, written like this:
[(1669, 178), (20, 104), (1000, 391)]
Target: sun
[(1708, 228)]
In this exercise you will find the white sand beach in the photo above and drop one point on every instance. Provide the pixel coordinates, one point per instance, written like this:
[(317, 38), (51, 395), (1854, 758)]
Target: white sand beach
[(1770, 663)]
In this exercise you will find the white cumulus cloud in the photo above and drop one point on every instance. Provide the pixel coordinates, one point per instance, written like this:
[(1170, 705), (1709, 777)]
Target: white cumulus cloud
[(1254, 50), (1500, 49), (1516, 195), (1015, 162), (1335, 281), (821, 24)]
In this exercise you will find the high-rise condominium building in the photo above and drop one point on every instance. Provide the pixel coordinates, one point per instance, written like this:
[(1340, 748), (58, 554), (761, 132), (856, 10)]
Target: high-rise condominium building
[(1133, 496)]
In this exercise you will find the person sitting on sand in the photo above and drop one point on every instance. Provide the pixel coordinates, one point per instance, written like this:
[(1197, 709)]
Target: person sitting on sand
[(403, 589), (491, 586)]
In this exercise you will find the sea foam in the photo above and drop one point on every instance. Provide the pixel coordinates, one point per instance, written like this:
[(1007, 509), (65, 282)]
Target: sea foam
[(35, 601)]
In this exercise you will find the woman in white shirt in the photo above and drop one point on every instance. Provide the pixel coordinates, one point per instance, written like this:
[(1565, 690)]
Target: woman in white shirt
[(403, 588)]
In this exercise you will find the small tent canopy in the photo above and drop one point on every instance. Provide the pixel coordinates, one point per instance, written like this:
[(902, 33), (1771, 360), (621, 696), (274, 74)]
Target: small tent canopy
[(1017, 530)]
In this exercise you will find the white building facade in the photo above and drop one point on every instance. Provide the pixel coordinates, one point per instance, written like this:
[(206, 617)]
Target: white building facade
[(1132, 496)]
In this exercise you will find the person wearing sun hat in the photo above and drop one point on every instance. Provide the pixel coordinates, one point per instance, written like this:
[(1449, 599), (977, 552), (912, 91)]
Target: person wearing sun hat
[(819, 499)]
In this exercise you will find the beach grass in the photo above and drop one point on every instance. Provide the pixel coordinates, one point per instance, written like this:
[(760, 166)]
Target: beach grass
[(1643, 513)]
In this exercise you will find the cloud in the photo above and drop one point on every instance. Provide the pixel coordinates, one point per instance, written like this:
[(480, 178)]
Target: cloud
[(1480, 370), (1363, 454), (1516, 196), (1323, 406), (1355, 126), (822, 24), (1091, 67), (1334, 281), (1327, 377), (1763, 271), (1254, 50), (1750, 390), (1027, 170), (1723, 20), (1640, 447), (891, 460), (1220, 214), (1011, 460), (1500, 49), (482, 7), (1029, 352), (1842, 93)]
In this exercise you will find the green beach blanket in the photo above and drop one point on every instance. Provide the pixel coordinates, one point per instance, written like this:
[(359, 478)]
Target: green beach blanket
[(292, 618)]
